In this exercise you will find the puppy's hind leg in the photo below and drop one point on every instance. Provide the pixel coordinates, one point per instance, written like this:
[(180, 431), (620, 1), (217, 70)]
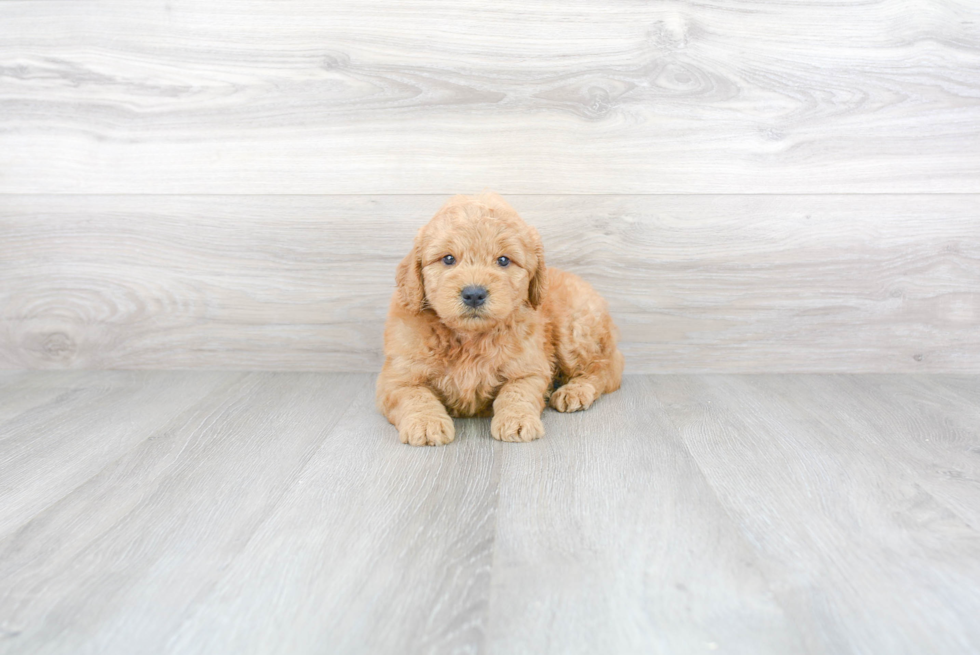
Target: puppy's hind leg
[(603, 375), (589, 362)]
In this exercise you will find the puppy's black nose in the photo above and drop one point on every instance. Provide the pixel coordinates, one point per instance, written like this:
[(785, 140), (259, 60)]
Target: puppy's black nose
[(474, 296)]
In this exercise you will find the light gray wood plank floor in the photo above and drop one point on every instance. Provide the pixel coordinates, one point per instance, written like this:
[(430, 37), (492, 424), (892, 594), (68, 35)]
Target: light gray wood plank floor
[(235, 512)]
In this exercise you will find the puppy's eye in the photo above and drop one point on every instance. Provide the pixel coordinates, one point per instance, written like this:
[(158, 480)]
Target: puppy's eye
[(448, 260), (503, 261)]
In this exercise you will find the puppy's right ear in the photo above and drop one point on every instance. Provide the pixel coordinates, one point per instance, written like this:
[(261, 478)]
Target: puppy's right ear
[(408, 278)]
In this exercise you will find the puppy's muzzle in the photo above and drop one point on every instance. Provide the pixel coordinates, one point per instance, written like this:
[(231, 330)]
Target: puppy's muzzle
[(474, 296)]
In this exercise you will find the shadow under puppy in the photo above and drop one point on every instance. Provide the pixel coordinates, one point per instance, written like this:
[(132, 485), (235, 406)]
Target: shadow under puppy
[(478, 326)]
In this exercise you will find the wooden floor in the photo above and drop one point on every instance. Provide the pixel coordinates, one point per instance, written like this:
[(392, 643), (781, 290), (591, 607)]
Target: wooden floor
[(230, 512)]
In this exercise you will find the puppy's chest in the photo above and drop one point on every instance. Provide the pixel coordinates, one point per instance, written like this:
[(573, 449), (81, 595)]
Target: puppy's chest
[(469, 381)]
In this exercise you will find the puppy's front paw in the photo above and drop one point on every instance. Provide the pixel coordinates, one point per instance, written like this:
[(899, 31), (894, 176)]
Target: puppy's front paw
[(427, 429), (574, 396), (516, 427)]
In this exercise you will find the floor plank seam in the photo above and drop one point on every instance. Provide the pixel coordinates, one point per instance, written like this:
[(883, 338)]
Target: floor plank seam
[(199, 599), (727, 509), (498, 457)]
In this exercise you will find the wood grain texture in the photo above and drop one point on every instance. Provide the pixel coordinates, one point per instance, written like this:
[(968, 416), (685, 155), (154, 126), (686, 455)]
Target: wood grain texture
[(610, 539), (151, 529), (78, 442), (20, 392), (379, 548), (696, 283), (278, 513), (293, 477), (933, 425), (109, 96), (859, 571)]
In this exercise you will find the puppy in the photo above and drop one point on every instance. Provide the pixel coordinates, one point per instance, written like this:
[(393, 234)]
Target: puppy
[(479, 327)]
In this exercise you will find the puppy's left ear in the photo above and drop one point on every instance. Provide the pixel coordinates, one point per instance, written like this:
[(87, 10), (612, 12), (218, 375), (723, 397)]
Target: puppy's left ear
[(538, 286)]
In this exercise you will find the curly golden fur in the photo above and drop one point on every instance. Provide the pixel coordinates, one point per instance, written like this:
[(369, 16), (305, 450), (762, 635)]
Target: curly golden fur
[(531, 329)]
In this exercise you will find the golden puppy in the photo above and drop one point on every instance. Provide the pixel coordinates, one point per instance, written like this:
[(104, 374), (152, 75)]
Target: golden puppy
[(478, 322)]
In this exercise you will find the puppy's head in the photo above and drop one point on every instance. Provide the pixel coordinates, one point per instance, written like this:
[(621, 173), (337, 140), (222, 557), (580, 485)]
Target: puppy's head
[(474, 264)]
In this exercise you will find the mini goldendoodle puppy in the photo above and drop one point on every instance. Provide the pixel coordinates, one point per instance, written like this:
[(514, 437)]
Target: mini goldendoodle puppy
[(478, 326)]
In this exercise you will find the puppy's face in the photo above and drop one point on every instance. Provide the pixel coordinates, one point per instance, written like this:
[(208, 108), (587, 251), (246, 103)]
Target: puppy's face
[(474, 264)]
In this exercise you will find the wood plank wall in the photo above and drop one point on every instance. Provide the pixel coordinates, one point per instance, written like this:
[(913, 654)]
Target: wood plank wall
[(755, 186)]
